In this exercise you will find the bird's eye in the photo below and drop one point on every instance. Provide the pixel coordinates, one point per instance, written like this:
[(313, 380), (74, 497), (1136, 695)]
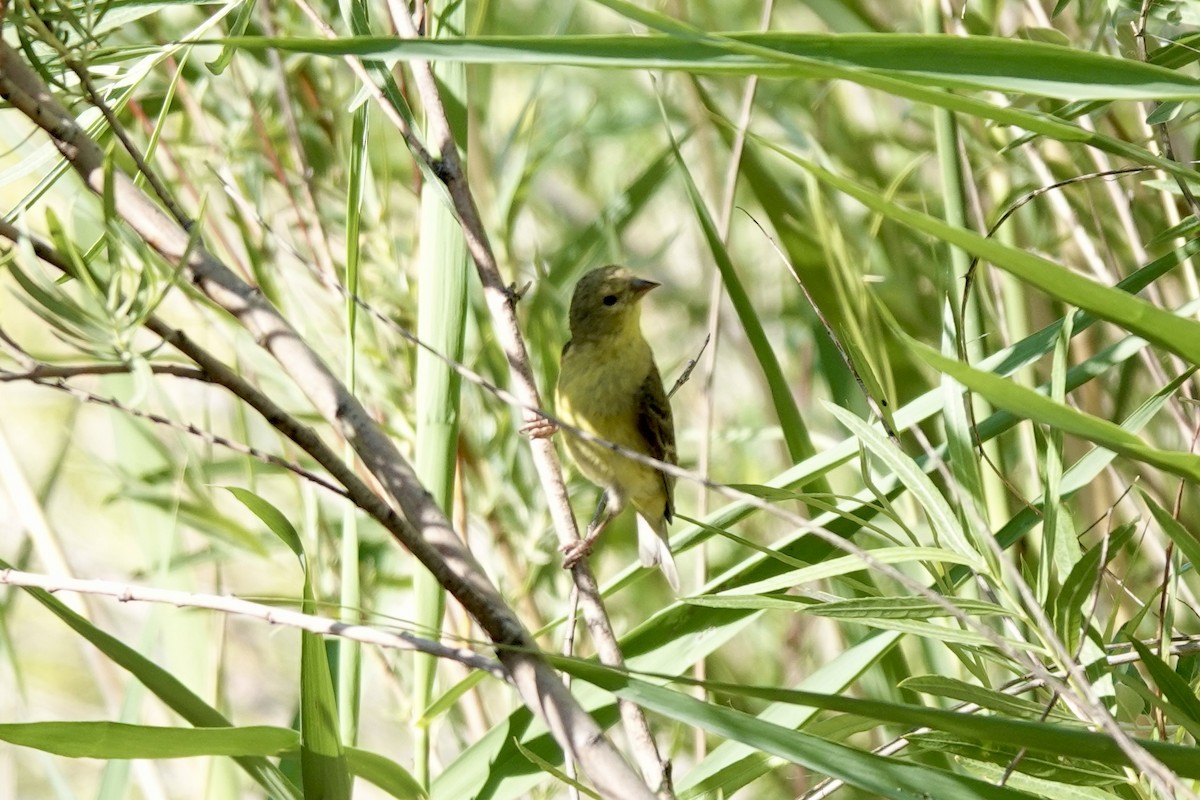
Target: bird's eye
[(610, 300)]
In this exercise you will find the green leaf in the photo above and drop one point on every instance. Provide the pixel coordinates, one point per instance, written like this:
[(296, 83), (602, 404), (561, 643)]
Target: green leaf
[(272, 517), (245, 13), (882, 777), (1067, 606), (1175, 689), (861, 610), (110, 740), (1184, 539), (791, 421), (903, 608), (323, 761), (1039, 408), (946, 529), (1044, 737), (1072, 771), (322, 758), (999, 702), (558, 774), (733, 764), (846, 565), (384, 773), (1164, 113), (977, 62)]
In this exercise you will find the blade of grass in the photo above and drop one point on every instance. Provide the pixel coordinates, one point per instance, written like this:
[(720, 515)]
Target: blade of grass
[(1035, 406), (322, 757), (441, 323), (795, 431)]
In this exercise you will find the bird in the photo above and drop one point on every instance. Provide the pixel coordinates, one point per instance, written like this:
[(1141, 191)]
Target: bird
[(610, 387)]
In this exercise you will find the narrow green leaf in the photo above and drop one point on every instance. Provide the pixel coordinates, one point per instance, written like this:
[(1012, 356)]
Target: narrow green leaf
[(733, 764), (384, 773), (323, 762), (1184, 539), (1175, 689), (1039, 408), (846, 565), (860, 610), (558, 774), (1068, 605), (118, 740), (322, 757), (791, 421), (448, 698), (1036, 786), (903, 608), (1002, 703), (1072, 771), (1044, 737), (1152, 699), (1000, 64), (271, 516), (1164, 113), (237, 28), (880, 776), (942, 519)]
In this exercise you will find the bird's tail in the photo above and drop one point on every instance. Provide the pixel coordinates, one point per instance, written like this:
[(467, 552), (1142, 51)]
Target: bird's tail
[(654, 550)]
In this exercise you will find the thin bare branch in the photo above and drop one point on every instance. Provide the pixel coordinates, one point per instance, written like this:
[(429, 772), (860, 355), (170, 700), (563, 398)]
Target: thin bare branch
[(43, 373), (208, 437), (226, 604)]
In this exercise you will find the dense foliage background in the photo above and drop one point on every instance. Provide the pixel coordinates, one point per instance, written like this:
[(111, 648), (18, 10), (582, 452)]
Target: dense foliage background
[(1030, 551)]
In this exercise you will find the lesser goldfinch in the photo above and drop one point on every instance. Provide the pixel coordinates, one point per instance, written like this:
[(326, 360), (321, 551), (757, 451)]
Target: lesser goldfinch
[(610, 387)]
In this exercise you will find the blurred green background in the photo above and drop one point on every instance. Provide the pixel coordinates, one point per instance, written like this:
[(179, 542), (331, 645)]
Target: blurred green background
[(725, 169)]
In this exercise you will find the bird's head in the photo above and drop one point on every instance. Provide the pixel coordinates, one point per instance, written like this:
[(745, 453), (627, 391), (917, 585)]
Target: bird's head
[(607, 303)]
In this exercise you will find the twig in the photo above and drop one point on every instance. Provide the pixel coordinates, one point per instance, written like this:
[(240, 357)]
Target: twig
[(689, 367), (1164, 135), (876, 403), (208, 437), (127, 592), (160, 189), (44, 373), (568, 650)]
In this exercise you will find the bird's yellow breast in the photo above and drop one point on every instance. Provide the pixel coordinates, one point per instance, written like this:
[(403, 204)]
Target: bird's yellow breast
[(599, 394)]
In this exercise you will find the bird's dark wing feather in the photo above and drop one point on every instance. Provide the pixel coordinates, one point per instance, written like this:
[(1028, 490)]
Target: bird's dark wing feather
[(657, 427)]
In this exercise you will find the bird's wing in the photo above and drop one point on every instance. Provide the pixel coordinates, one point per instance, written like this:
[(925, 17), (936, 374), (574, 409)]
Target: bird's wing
[(657, 427)]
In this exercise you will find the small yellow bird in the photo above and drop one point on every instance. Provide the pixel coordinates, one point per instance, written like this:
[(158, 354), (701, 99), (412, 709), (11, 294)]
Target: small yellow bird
[(609, 386)]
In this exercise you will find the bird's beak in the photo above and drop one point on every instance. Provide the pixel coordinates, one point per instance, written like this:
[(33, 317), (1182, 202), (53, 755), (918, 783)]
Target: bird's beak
[(641, 286)]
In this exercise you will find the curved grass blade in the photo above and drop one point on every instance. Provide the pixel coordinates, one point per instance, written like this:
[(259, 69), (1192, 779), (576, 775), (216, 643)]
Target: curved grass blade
[(1039, 408)]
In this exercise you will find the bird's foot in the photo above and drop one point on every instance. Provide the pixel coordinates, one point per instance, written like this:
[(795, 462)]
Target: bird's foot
[(576, 551), (539, 428)]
